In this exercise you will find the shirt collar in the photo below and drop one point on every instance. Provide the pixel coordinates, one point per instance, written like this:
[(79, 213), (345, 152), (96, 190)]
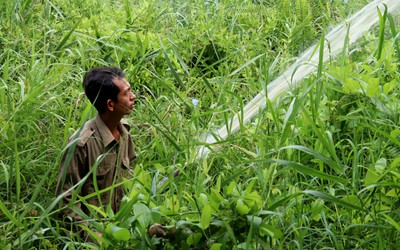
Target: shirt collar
[(105, 132)]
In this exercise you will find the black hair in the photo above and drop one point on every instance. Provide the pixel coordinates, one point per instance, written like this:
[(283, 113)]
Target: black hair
[(99, 86)]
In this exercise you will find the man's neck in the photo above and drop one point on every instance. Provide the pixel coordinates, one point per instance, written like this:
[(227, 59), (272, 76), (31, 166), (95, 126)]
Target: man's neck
[(112, 124)]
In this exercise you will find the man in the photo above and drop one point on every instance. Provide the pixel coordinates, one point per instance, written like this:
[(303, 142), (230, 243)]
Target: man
[(99, 154)]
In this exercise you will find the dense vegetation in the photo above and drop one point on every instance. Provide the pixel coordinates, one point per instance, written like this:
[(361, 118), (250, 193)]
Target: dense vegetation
[(317, 169)]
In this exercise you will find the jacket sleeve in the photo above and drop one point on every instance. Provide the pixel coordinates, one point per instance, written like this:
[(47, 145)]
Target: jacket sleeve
[(71, 171)]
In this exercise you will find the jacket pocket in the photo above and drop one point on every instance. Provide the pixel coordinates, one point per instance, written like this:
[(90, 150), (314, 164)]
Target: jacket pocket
[(105, 171), (106, 164)]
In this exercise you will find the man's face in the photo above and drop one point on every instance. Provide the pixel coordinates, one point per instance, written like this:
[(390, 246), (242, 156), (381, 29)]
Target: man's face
[(125, 99)]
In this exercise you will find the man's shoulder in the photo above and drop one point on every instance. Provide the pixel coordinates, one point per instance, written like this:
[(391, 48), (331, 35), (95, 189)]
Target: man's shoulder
[(83, 134)]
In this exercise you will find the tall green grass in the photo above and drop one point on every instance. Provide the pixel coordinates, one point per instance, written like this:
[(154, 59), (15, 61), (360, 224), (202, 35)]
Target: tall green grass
[(318, 168)]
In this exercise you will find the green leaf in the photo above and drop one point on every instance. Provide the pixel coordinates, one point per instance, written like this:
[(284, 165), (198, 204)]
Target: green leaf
[(202, 199), (219, 180), (97, 209), (351, 85), (380, 165), (194, 239), (388, 87), (373, 88), (205, 217), (231, 187), (255, 220), (142, 212), (241, 207), (352, 199), (392, 193), (371, 177), (252, 199), (216, 199), (126, 206), (245, 245), (216, 246), (118, 233), (273, 232), (316, 209)]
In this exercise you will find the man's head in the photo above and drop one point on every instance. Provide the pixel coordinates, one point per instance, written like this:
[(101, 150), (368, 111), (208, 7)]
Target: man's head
[(106, 88)]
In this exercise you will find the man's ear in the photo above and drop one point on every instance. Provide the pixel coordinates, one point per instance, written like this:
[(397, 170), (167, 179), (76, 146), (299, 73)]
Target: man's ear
[(110, 105)]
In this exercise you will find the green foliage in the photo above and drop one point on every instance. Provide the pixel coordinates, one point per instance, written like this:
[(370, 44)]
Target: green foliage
[(318, 168)]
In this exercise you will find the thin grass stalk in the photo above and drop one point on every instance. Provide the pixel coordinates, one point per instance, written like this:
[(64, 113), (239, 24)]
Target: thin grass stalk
[(303, 169), (180, 60), (62, 43), (246, 64), (240, 112), (391, 221), (271, 173), (68, 123), (9, 215), (325, 140), (395, 36), (319, 84), (127, 8), (355, 169), (333, 199), (292, 111), (275, 119), (344, 56), (383, 133), (5, 78), (227, 121), (174, 73), (169, 135), (17, 168), (381, 36)]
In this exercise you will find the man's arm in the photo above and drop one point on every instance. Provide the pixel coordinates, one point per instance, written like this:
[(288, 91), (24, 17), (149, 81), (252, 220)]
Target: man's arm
[(71, 171)]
